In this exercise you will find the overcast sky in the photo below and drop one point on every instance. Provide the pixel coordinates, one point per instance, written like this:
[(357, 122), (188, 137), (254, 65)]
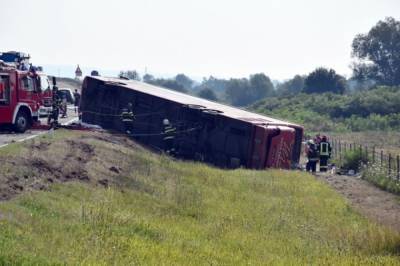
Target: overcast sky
[(225, 38)]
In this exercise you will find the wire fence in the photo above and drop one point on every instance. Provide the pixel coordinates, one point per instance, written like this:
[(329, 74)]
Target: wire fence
[(387, 162)]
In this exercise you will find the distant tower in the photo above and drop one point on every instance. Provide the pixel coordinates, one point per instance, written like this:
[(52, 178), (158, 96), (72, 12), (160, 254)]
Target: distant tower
[(78, 73)]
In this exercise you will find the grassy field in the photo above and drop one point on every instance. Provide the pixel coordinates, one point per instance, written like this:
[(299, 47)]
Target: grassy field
[(136, 207), (389, 141)]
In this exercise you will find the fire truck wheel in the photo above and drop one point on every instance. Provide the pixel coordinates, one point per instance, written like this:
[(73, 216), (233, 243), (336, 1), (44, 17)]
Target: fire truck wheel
[(21, 122)]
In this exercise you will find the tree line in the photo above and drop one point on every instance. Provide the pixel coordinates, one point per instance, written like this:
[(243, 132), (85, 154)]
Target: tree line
[(376, 61)]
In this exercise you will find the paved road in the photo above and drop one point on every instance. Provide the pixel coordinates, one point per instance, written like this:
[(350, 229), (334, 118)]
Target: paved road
[(9, 137)]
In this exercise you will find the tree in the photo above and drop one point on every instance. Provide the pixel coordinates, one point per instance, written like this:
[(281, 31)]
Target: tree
[(378, 53), (260, 87), (324, 80), (241, 92), (208, 94), (237, 91), (170, 84), (148, 78), (130, 74), (184, 81), (291, 86), (166, 83), (217, 85)]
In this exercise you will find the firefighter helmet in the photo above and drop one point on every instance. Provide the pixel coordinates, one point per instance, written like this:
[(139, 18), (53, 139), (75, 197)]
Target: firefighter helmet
[(165, 122)]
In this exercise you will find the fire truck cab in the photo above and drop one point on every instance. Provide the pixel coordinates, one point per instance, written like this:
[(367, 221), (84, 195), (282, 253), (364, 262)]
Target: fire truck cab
[(20, 97)]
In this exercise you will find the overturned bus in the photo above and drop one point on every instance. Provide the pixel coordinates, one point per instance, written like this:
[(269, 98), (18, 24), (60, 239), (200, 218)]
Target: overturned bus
[(207, 131)]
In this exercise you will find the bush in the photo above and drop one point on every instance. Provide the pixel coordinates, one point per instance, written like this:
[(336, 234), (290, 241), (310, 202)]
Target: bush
[(353, 160), (375, 109)]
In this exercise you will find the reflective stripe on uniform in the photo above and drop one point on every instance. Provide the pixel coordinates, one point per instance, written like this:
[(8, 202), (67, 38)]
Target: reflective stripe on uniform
[(169, 128), (324, 149), (126, 114)]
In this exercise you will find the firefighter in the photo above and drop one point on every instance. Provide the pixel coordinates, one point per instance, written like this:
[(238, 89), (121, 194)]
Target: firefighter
[(127, 118), (64, 106), (325, 150), (77, 100), (317, 139), (53, 117), (312, 156), (168, 137)]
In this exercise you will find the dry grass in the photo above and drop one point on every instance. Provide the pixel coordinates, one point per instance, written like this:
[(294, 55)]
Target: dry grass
[(389, 141)]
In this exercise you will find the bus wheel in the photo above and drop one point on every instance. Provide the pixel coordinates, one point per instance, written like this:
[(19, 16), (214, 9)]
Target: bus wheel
[(21, 122)]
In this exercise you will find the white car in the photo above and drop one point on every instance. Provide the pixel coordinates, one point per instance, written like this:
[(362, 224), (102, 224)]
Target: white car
[(68, 93)]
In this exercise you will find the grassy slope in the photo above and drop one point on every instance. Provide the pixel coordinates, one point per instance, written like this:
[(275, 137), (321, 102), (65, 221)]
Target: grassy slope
[(160, 211)]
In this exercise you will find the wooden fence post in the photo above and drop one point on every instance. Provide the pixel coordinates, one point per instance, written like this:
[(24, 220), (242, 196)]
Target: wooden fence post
[(381, 158), (390, 164), (335, 149), (373, 154), (398, 167)]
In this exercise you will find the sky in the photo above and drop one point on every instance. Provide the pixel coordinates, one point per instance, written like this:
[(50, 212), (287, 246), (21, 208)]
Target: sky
[(223, 38)]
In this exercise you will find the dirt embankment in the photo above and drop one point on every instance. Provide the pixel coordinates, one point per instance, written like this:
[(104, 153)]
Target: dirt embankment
[(45, 162), (374, 203)]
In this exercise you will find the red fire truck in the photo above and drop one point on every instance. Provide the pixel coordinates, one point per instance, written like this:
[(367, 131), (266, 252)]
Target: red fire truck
[(21, 96)]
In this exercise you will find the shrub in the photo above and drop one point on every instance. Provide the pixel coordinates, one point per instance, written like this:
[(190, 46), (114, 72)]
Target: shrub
[(374, 109), (353, 160)]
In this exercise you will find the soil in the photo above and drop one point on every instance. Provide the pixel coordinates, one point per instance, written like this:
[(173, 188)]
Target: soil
[(42, 167), (378, 205), (46, 163)]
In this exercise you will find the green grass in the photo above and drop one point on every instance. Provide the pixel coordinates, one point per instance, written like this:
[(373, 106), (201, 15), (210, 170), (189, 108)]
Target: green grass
[(379, 176), (161, 211)]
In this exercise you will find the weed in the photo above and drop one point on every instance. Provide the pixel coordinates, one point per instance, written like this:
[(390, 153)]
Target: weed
[(354, 160)]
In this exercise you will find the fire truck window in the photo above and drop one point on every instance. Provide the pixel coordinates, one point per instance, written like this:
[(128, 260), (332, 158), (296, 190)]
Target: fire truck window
[(44, 83), (28, 84), (38, 84), (4, 91)]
